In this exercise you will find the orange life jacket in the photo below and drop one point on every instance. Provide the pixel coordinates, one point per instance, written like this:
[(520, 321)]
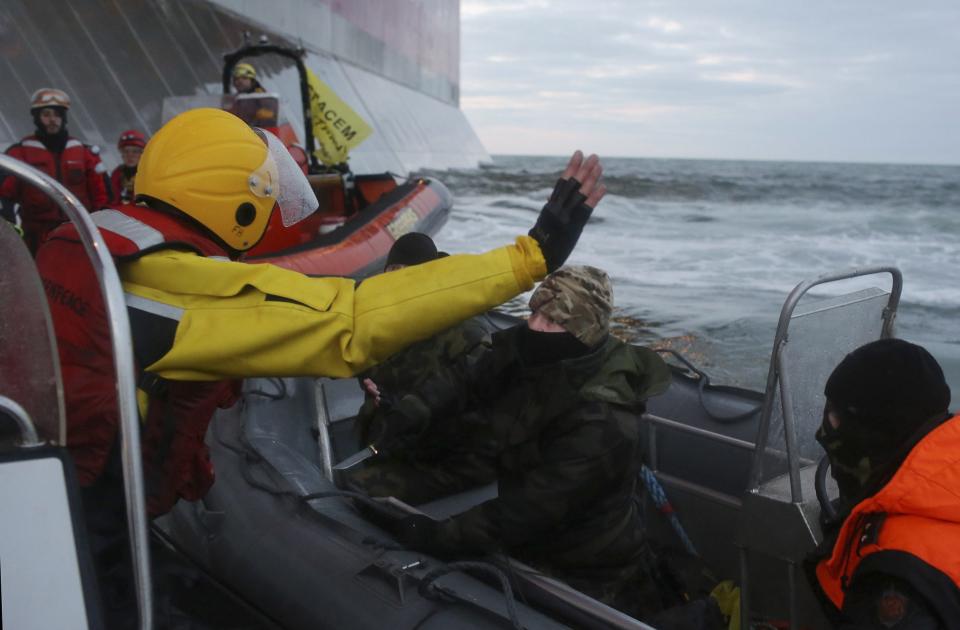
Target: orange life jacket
[(176, 461), (917, 512)]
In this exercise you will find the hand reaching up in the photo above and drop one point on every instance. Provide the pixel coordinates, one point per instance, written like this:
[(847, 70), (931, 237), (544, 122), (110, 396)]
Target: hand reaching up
[(576, 194)]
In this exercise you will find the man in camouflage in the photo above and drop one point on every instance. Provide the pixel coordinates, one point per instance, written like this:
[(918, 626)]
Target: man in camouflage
[(563, 399), (421, 460)]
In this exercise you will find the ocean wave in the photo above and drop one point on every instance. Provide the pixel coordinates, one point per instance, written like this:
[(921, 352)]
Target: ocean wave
[(686, 181), (709, 251)]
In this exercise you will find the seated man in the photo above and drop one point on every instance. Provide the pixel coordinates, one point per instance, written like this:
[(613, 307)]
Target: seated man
[(890, 558), (446, 457), (563, 398)]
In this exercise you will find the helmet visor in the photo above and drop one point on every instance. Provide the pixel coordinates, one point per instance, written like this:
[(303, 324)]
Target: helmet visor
[(281, 178)]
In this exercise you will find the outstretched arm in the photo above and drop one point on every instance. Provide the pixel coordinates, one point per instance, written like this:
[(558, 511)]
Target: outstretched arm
[(238, 320)]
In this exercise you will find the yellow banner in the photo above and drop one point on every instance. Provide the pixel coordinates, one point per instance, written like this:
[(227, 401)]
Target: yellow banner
[(336, 128)]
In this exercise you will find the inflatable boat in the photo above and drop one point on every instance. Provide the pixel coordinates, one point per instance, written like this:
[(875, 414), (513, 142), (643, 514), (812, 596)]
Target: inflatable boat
[(741, 469), (360, 215), (738, 466), (356, 226)]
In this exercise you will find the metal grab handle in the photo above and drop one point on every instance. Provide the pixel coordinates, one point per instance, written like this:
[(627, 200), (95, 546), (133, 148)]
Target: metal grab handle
[(28, 431), (119, 324)]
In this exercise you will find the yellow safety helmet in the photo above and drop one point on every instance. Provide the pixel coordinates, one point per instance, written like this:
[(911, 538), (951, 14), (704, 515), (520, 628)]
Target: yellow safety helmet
[(244, 70), (49, 97), (210, 165)]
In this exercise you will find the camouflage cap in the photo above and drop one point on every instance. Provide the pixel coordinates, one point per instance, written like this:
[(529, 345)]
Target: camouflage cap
[(580, 299)]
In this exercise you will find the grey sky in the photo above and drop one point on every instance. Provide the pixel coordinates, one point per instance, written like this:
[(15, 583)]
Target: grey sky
[(757, 79)]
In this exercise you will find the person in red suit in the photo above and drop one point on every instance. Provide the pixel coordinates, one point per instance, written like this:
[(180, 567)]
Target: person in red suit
[(131, 145), (50, 149)]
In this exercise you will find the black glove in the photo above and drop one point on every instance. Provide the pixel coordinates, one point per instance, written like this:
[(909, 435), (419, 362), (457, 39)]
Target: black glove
[(398, 432), (560, 222)]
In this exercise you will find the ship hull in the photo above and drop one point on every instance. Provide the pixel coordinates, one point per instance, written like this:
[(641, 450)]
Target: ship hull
[(394, 63)]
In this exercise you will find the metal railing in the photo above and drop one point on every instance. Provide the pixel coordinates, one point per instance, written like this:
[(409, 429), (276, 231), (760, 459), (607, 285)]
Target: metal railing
[(119, 324), (28, 432), (777, 375), (324, 440)]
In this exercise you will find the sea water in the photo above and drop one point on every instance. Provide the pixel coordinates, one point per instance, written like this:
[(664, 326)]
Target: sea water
[(703, 253)]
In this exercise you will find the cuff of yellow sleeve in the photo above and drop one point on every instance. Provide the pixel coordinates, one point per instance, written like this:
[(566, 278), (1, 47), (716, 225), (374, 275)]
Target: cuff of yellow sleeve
[(528, 263)]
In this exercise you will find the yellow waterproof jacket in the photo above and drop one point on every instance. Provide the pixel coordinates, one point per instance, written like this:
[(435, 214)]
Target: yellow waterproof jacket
[(198, 322), (240, 319)]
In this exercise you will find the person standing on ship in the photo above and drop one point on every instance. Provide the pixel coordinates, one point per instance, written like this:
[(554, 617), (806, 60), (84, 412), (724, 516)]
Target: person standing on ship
[(891, 559), (206, 187), (51, 150), (131, 144)]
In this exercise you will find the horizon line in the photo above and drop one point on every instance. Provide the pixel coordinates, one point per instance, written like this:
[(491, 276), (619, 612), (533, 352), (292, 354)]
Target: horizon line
[(736, 159)]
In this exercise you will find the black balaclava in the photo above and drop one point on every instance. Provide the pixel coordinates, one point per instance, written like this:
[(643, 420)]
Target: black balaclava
[(886, 394), (542, 348), (56, 142)]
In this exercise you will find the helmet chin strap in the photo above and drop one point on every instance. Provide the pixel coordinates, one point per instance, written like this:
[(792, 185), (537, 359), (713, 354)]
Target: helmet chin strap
[(162, 206)]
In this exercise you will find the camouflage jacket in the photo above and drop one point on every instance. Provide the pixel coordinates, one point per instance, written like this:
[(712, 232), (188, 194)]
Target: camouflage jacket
[(570, 455), (417, 377)]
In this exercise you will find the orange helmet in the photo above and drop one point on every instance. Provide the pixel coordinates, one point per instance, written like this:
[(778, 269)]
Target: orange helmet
[(49, 97)]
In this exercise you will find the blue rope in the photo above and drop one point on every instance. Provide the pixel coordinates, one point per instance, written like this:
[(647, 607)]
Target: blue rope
[(659, 496)]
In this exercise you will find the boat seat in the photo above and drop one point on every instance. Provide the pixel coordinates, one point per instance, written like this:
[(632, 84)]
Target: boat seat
[(338, 401), (342, 398), (29, 364), (459, 503)]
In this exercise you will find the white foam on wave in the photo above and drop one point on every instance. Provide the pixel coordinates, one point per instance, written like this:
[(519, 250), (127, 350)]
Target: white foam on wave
[(763, 250), (689, 259)]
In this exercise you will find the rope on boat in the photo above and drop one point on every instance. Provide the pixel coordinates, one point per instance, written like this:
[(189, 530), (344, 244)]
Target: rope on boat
[(659, 496), (429, 590), (703, 382)]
